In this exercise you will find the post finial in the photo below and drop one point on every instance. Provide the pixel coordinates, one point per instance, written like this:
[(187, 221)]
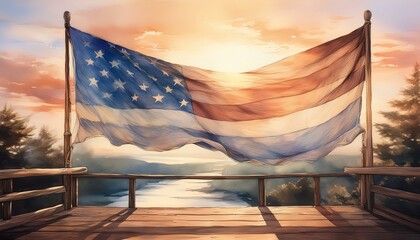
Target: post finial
[(367, 15), (67, 17)]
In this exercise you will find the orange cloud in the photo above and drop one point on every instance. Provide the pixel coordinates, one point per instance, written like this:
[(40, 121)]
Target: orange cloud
[(28, 78), (397, 58), (386, 45)]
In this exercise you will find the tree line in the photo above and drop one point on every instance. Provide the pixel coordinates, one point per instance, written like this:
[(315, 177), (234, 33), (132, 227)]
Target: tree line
[(20, 147)]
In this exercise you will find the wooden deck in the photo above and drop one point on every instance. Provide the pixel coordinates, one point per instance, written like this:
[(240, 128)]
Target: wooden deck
[(323, 222)]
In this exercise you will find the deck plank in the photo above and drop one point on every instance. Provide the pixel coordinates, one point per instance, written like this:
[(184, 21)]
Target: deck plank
[(323, 222)]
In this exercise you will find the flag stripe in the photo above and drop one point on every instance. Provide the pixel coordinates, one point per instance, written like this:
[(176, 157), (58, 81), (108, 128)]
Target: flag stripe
[(255, 128), (274, 86), (343, 126), (315, 58), (278, 107)]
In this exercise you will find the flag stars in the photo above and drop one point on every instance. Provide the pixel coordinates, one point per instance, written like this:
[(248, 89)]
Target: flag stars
[(136, 65), (134, 98), (165, 73), (124, 51), (114, 64), (178, 81), (168, 89), (153, 78), (183, 103), (143, 87), (86, 44), (158, 98), (99, 54), (93, 82), (111, 45), (104, 73), (106, 95), (118, 84), (154, 63), (89, 61), (130, 73)]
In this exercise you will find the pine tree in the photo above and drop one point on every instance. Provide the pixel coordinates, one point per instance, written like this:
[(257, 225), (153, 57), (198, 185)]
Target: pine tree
[(14, 131), (40, 151), (402, 133)]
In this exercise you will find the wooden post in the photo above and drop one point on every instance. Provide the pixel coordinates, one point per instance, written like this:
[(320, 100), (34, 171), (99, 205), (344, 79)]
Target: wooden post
[(362, 189), (317, 191), (7, 187), (67, 103), (75, 191), (131, 192), (368, 153), (261, 193), (67, 109)]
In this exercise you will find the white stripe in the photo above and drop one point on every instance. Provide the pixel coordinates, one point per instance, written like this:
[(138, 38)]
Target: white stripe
[(254, 128)]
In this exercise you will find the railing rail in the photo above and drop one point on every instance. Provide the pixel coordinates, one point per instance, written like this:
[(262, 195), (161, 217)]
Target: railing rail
[(8, 196), (261, 182), (373, 190)]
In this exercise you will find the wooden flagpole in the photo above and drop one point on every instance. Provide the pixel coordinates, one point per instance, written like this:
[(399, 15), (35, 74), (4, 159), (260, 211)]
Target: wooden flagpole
[(367, 141), (67, 104), (67, 110)]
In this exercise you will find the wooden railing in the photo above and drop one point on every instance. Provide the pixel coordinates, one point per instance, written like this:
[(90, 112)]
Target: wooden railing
[(261, 182), (7, 195), (373, 190)]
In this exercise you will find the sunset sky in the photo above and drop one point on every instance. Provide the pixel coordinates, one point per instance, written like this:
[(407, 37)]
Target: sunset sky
[(222, 35)]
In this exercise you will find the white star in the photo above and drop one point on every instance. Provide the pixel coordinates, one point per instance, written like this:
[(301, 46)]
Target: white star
[(107, 95), (177, 81), (114, 64), (134, 97), (93, 81), (165, 73), (119, 84), (183, 103), (111, 45), (143, 87), (154, 62), (168, 89), (89, 61), (86, 44), (104, 73), (99, 54), (136, 65), (158, 98), (124, 51), (153, 78), (130, 73)]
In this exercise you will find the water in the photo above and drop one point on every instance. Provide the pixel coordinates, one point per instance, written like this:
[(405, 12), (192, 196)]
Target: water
[(178, 193)]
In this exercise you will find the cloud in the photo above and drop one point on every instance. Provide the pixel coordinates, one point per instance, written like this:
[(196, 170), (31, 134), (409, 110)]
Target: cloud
[(397, 58), (336, 19), (386, 45), (147, 34), (28, 78)]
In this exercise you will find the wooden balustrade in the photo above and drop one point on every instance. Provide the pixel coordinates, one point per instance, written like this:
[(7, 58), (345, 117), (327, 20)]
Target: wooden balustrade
[(7, 196), (372, 190), (261, 182)]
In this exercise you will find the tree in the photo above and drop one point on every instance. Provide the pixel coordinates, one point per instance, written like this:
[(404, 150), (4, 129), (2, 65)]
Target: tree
[(299, 193), (14, 131), (40, 151), (402, 134), (340, 195)]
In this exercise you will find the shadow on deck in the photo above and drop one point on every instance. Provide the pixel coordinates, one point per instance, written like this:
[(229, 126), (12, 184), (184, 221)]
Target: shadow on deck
[(291, 222)]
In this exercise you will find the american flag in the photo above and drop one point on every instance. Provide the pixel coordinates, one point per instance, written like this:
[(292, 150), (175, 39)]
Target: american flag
[(299, 108)]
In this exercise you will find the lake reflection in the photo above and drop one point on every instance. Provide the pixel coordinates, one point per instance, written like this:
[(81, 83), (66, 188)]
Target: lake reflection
[(178, 193)]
